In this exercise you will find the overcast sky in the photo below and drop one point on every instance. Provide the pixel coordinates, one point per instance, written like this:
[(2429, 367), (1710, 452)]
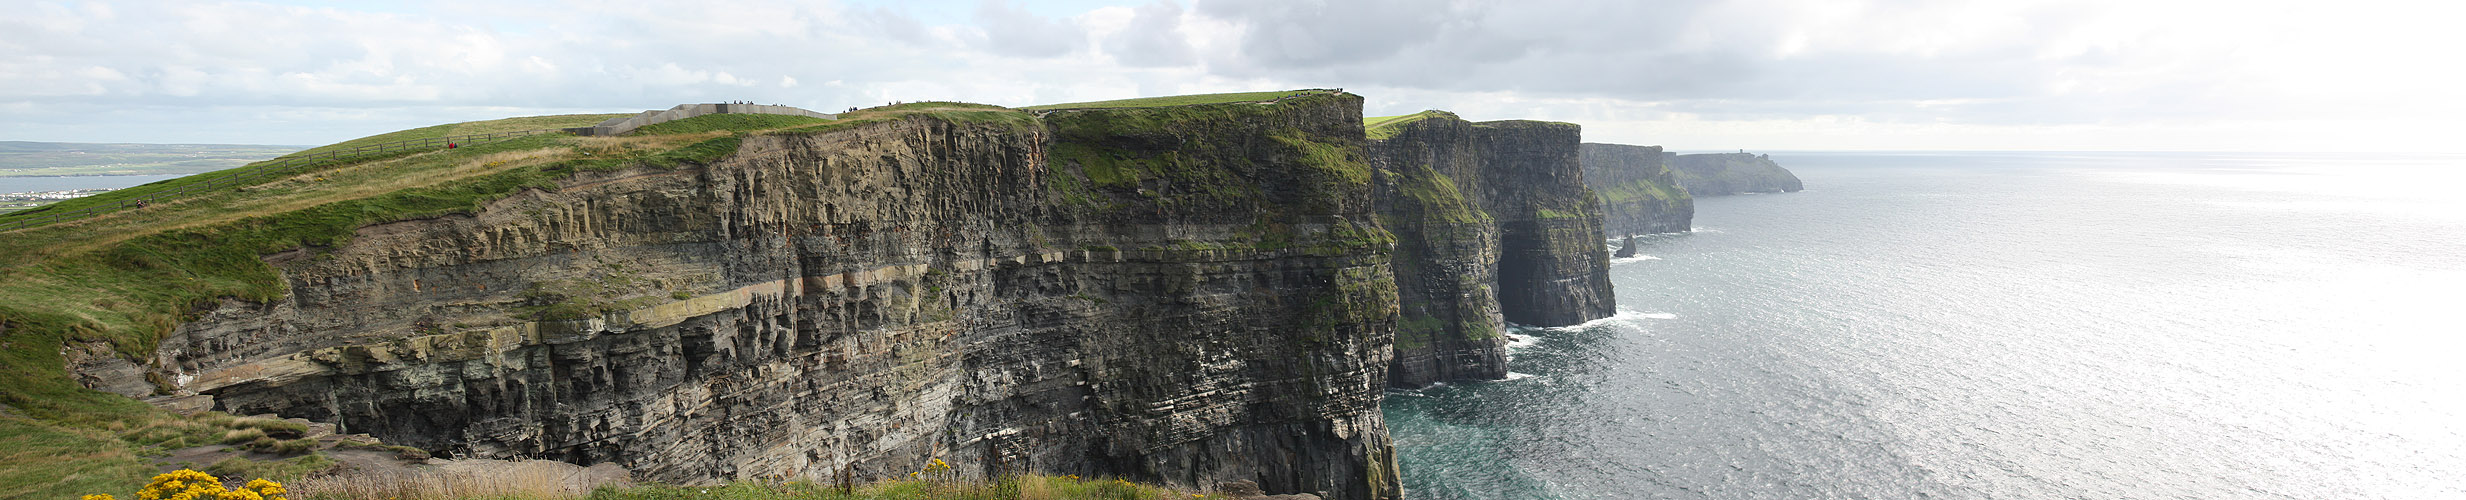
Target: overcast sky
[(1691, 74)]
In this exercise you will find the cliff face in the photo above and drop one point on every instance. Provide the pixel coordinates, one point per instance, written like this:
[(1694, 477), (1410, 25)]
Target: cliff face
[(1181, 295), (1639, 193), (1493, 224), (1732, 173)]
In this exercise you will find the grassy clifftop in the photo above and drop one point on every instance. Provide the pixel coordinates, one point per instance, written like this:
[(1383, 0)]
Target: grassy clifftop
[(121, 280), (115, 283), (1182, 100)]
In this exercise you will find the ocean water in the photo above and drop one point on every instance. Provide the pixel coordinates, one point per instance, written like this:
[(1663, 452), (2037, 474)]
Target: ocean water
[(65, 183), (2001, 325)]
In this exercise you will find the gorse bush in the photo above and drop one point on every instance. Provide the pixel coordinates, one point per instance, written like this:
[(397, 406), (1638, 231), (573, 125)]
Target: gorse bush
[(187, 484)]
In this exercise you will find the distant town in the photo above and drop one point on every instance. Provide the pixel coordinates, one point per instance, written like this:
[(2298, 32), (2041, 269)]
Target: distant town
[(11, 202)]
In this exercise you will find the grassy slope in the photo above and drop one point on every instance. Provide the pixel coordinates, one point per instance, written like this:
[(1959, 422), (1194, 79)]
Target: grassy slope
[(128, 277), (1180, 100), (430, 132), (1382, 127)]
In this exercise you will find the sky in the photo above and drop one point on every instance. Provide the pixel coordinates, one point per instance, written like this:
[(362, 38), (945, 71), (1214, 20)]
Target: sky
[(2120, 75)]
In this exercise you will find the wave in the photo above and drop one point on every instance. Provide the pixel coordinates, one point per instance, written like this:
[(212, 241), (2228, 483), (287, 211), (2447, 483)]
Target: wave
[(1624, 316), (1519, 342), (1516, 376), (1637, 258)]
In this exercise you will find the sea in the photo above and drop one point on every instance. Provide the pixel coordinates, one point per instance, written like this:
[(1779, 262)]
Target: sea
[(2000, 325), (67, 183)]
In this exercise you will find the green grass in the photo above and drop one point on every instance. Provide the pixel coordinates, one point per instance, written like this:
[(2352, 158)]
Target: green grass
[(1436, 197), (1334, 160), (285, 470), (1641, 189), (430, 132), (127, 278), (471, 128), (1382, 127), (1181, 100), (727, 122), (45, 461), (1545, 213), (955, 112)]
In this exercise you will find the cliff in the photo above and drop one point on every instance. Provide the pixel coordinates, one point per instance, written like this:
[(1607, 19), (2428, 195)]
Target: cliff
[(1722, 174), (1493, 224), (1186, 296), (1189, 295), (1639, 192)]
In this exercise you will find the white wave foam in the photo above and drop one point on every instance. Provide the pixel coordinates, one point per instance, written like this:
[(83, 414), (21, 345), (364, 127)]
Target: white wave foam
[(1637, 258), (1623, 316), (1519, 342), (1516, 376)]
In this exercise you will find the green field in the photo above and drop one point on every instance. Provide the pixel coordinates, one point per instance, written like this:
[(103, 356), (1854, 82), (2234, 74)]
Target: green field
[(1181, 100), (34, 159)]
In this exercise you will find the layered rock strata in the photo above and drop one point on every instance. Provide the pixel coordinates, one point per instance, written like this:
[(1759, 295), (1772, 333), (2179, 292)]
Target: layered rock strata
[(1493, 224), (1187, 296), (1639, 193), (1721, 174)]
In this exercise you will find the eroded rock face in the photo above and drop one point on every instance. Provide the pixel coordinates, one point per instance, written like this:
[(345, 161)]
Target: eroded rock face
[(1639, 193), (1553, 267), (1723, 174), (869, 299), (1493, 224)]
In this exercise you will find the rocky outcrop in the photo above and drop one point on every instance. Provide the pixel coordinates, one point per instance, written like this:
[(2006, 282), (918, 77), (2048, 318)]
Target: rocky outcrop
[(1722, 174), (1552, 270), (1639, 193), (1187, 296), (1493, 224)]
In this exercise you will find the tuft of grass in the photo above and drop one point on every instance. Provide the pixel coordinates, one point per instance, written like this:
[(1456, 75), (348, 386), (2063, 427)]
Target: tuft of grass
[(243, 436), (1182, 100), (46, 460), (522, 479), (285, 470), (272, 426)]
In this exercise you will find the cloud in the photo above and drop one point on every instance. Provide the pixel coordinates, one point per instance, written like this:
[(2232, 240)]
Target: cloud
[(1926, 65), (1153, 37), (1013, 31)]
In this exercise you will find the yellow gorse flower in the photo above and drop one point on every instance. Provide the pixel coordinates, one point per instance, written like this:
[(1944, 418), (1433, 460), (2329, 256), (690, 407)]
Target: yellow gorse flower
[(187, 484)]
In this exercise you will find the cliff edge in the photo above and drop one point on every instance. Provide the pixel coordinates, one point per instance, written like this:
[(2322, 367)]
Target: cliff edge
[(1493, 225), (1720, 174), (1204, 292), (1639, 191)]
